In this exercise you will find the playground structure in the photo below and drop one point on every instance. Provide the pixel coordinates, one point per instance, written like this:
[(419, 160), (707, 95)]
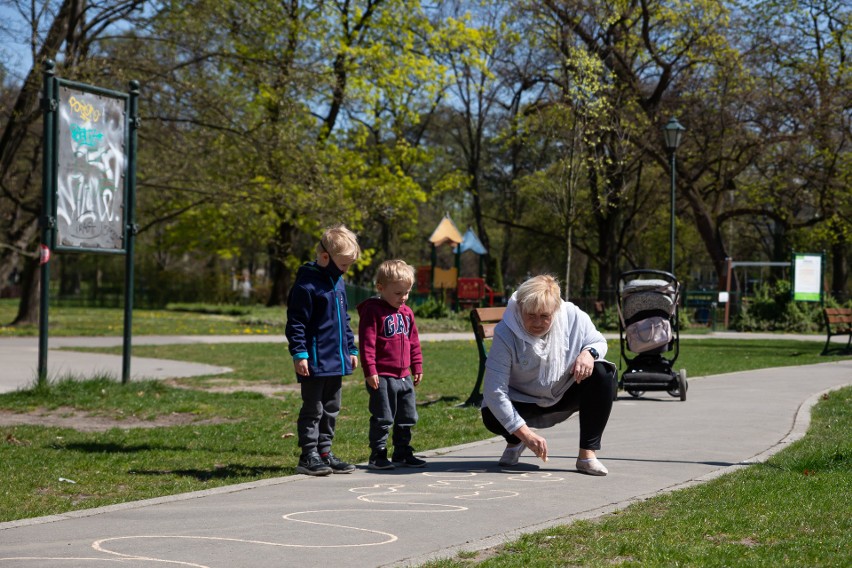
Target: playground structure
[(443, 277)]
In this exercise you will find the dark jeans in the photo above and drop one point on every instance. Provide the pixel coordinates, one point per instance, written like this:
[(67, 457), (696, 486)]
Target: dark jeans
[(318, 416), (392, 405), (592, 399)]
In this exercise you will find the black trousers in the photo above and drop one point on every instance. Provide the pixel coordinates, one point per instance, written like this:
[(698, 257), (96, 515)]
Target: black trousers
[(592, 398)]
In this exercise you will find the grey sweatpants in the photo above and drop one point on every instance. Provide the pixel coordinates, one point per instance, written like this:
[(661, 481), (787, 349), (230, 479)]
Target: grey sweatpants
[(392, 405), (318, 416)]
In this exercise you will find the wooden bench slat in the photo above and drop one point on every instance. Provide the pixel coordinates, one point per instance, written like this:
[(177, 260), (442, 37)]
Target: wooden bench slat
[(489, 314), (487, 330)]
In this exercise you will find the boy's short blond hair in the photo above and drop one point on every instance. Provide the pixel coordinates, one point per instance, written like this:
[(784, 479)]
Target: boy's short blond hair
[(539, 295), (341, 242), (395, 271)]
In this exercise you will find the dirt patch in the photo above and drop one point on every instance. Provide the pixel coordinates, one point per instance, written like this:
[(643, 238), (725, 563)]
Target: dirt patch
[(67, 417), (84, 422), (276, 390)]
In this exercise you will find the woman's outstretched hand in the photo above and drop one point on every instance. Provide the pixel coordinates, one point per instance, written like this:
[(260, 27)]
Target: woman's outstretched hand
[(533, 441)]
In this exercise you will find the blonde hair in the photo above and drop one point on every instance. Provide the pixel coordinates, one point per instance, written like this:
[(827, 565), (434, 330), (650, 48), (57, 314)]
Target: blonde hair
[(395, 271), (539, 294), (341, 242)]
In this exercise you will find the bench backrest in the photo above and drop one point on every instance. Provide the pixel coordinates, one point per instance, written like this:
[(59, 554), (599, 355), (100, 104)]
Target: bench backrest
[(485, 320), (839, 317)]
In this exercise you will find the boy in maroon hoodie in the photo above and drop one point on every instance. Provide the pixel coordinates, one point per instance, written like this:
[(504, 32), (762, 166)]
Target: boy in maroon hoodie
[(392, 363)]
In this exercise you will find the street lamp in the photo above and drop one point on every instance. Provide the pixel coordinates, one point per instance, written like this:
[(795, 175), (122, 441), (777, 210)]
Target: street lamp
[(672, 132)]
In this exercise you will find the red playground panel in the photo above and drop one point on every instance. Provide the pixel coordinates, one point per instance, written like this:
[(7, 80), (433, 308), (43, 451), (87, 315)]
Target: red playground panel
[(424, 279), (471, 290)]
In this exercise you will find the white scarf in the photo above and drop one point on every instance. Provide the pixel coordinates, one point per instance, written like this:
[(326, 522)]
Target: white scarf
[(551, 347)]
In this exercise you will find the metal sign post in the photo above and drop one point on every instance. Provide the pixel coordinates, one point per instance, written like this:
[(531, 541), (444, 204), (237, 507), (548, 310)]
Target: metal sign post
[(88, 183)]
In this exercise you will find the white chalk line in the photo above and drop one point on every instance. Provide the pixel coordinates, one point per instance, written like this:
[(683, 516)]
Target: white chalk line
[(472, 487)]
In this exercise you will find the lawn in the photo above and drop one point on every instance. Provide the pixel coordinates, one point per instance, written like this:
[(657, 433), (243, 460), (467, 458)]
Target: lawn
[(186, 319)]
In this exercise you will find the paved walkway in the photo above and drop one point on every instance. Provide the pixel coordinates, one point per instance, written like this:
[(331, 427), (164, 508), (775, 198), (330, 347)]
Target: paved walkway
[(461, 502)]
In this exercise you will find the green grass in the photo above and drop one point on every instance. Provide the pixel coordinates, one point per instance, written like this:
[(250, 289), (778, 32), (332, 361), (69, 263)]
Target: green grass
[(271, 362), (180, 319), (792, 510)]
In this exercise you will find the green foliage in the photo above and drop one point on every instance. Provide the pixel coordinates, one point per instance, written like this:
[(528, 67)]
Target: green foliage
[(608, 320), (432, 308), (771, 309)]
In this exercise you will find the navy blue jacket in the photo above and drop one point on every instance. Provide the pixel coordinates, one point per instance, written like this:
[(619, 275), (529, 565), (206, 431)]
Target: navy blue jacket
[(317, 321)]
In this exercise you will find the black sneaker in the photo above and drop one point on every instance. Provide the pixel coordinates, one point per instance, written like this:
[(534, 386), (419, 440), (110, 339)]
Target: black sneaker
[(336, 464), (404, 457), (379, 459), (312, 464)]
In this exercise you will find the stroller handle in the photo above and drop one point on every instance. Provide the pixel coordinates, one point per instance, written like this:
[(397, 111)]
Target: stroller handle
[(667, 275)]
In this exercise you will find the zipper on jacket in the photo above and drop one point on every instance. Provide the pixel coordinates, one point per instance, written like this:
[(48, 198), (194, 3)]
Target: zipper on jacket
[(340, 334)]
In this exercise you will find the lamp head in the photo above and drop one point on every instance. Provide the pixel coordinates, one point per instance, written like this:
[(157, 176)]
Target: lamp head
[(673, 131)]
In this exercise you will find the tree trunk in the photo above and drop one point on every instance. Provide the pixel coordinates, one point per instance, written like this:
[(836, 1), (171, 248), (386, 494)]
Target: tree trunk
[(839, 271), (29, 305), (279, 250), (710, 233)]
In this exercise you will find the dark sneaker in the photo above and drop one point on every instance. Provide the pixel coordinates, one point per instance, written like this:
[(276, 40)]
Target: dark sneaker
[(312, 464), (405, 458), (336, 464), (379, 459)]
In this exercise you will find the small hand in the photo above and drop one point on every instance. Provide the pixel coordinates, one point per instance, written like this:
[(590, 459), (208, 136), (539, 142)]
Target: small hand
[(373, 382), (416, 378), (302, 368)]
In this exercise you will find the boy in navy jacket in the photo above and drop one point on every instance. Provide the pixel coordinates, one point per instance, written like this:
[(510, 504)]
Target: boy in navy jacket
[(392, 363), (323, 347)]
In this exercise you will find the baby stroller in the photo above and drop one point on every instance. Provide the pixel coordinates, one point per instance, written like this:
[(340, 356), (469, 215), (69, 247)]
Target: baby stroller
[(648, 318)]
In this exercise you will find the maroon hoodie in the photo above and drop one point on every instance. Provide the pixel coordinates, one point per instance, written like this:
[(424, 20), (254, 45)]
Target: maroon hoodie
[(389, 344)]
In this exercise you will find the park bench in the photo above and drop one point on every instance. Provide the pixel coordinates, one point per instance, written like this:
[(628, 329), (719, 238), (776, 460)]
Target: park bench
[(484, 320), (838, 321)]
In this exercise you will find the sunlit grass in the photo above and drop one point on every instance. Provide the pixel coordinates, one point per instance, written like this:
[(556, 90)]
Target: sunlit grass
[(203, 320)]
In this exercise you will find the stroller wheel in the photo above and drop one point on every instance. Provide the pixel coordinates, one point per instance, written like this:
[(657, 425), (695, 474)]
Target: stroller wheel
[(682, 386), (635, 393)]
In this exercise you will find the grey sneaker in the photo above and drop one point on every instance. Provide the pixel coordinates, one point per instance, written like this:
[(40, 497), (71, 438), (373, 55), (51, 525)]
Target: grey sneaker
[(379, 459), (312, 464), (511, 454), (336, 464)]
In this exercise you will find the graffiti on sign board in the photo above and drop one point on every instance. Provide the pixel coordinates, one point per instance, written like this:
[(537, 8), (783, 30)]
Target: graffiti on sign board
[(91, 170)]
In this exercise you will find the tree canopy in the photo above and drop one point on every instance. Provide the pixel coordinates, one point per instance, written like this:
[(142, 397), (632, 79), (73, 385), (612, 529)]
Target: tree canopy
[(536, 123)]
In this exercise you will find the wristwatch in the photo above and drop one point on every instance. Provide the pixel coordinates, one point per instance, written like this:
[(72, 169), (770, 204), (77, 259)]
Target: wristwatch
[(593, 352)]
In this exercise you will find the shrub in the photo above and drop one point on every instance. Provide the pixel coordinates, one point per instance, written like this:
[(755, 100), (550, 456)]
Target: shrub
[(773, 309), (432, 309)]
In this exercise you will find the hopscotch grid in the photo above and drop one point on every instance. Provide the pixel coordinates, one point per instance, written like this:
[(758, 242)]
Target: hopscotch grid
[(474, 487)]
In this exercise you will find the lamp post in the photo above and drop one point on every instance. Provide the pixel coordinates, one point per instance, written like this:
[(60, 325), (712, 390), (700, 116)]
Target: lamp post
[(672, 132)]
